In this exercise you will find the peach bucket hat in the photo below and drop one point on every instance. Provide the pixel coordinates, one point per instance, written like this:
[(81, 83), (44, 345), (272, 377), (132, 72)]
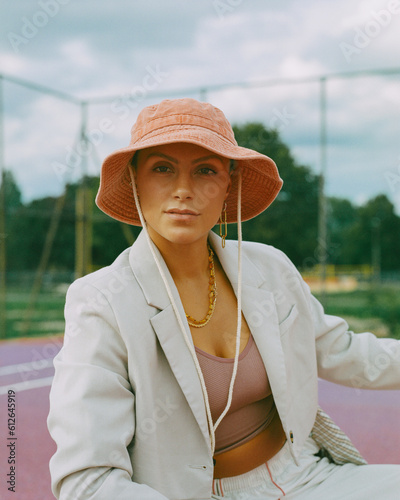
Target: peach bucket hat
[(191, 121)]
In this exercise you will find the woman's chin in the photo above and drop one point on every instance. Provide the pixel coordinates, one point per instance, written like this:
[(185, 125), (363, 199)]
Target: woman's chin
[(178, 236)]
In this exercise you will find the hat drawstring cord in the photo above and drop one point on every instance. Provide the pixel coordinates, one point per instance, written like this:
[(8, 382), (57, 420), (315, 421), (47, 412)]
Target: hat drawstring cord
[(239, 306), (211, 425)]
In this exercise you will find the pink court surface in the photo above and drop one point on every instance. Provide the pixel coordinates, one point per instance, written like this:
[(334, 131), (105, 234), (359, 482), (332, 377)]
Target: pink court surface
[(370, 418)]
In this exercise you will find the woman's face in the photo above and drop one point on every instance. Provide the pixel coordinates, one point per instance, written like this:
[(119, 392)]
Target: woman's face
[(182, 189)]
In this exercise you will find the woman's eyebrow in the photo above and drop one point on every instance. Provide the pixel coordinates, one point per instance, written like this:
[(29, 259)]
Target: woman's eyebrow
[(162, 155), (208, 157)]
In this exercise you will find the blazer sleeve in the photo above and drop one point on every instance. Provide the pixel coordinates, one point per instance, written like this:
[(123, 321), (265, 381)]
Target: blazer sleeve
[(359, 360), (92, 405)]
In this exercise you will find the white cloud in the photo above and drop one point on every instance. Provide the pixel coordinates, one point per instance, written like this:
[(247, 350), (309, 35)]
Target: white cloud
[(79, 53), (12, 64), (294, 67)]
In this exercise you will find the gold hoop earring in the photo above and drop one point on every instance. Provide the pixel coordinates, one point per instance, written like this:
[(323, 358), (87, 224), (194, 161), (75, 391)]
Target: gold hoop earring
[(222, 220)]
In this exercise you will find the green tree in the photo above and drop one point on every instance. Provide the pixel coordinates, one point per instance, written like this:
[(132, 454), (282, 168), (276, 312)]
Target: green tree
[(29, 233), (12, 193), (342, 217), (13, 206), (377, 232), (31, 222), (369, 234), (291, 222)]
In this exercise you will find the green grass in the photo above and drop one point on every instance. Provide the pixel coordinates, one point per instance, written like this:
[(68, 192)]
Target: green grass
[(376, 303), (47, 316)]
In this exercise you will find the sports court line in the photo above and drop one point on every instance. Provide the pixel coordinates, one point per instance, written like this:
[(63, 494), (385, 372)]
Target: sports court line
[(33, 366), (28, 384), (24, 368)]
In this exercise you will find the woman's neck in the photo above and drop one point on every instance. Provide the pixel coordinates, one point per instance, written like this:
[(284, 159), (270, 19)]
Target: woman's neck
[(185, 261)]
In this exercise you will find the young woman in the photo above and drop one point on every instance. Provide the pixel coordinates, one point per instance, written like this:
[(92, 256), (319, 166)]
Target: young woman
[(190, 365)]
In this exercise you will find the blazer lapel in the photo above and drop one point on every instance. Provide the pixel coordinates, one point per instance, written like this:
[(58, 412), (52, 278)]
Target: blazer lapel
[(166, 326), (259, 309)]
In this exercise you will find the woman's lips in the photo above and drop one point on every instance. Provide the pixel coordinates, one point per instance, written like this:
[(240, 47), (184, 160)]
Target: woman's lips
[(183, 215)]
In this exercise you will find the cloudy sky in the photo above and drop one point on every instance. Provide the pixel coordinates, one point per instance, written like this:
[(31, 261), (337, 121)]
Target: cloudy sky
[(120, 56)]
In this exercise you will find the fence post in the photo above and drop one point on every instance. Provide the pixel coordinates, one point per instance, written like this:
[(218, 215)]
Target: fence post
[(3, 285), (322, 222)]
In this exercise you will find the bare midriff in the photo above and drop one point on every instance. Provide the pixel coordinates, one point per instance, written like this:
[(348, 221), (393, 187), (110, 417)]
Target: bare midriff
[(251, 454)]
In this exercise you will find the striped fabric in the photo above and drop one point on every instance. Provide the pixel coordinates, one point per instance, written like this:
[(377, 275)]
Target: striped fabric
[(217, 487), (333, 440)]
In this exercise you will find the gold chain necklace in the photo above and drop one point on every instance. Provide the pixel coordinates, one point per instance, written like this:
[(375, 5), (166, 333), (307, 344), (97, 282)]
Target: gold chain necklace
[(212, 294)]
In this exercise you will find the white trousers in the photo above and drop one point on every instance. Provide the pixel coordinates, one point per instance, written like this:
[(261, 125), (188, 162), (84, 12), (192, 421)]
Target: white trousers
[(314, 479)]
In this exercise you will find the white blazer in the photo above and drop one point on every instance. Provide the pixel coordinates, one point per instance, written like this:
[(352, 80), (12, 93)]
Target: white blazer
[(127, 410)]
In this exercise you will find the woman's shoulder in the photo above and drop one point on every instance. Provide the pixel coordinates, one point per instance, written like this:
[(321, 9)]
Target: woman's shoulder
[(263, 253), (118, 272), (268, 263)]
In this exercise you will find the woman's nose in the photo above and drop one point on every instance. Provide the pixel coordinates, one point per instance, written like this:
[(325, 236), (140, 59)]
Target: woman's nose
[(183, 188)]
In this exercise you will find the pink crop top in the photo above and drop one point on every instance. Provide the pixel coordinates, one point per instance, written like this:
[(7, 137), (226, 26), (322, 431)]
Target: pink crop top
[(252, 406)]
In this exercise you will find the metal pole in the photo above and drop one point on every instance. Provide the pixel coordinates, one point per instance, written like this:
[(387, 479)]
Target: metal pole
[(40, 88), (322, 222), (203, 94), (83, 246), (276, 82), (44, 260), (3, 284), (376, 250)]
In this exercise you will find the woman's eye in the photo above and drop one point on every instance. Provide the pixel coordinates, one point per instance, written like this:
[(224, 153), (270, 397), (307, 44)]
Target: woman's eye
[(206, 171), (162, 168)]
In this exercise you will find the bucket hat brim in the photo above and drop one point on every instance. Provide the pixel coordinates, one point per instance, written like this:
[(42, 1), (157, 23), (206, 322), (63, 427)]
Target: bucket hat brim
[(260, 178)]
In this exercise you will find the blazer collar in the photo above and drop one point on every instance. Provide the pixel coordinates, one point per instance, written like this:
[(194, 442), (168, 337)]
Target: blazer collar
[(152, 285), (228, 258), (147, 274)]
